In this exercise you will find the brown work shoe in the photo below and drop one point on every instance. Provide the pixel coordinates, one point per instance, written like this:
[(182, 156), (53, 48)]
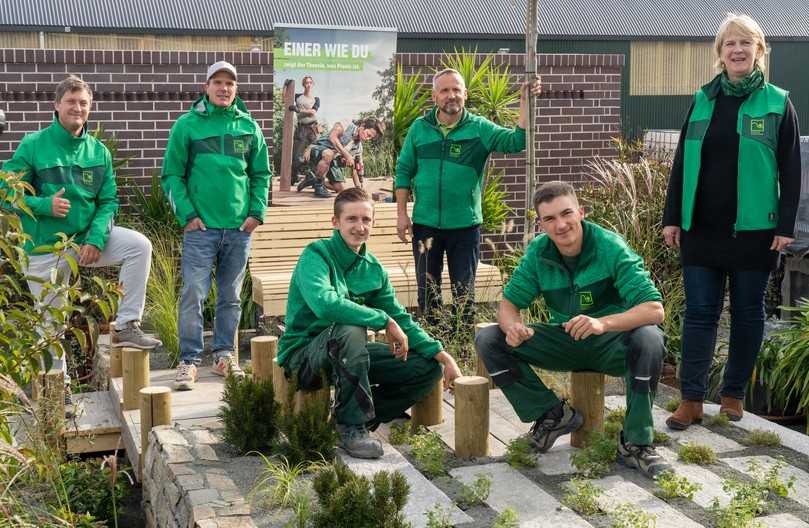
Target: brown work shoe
[(689, 411), (731, 407)]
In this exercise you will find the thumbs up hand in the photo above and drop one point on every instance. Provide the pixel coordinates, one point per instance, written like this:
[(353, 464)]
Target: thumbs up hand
[(59, 206)]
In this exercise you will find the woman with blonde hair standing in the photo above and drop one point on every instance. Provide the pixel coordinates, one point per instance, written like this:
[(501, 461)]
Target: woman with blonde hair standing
[(730, 208)]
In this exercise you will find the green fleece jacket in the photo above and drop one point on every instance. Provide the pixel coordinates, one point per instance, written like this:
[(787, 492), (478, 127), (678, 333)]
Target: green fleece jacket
[(216, 166), (445, 174), (333, 285), (52, 159), (609, 277)]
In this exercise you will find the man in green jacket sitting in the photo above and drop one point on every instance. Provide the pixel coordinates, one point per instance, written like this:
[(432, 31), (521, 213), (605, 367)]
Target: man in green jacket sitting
[(604, 311), (338, 291), (215, 174), (76, 194)]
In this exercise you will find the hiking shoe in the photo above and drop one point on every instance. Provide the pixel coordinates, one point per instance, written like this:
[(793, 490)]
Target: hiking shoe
[(644, 458), (355, 440), (321, 191), (185, 377), (308, 181), (687, 413), (556, 422), (132, 336), (733, 408), (226, 365)]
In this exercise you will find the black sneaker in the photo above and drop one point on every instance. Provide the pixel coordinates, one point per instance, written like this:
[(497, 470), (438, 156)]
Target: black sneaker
[(556, 422), (321, 191), (308, 181), (644, 458)]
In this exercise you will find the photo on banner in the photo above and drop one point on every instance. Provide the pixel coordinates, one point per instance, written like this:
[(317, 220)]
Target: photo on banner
[(330, 79)]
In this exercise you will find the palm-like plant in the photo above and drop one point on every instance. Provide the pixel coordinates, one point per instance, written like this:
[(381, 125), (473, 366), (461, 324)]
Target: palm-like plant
[(466, 63), (495, 99), (408, 105)]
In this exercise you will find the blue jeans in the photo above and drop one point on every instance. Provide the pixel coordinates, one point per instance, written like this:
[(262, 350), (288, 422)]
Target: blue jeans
[(704, 297), (226, 251), (462, 247)]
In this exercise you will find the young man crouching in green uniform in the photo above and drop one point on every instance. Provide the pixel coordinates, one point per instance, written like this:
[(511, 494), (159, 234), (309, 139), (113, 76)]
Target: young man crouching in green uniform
[(338, 291), (604, 311)]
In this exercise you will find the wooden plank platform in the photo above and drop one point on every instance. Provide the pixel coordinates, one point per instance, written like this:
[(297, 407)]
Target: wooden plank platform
[(95, 425)]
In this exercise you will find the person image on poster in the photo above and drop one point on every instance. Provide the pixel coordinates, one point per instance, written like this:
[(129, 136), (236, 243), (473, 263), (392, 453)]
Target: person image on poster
[(306, 132)]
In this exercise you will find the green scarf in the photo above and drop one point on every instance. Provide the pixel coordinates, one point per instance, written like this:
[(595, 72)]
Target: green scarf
[(744, 87)]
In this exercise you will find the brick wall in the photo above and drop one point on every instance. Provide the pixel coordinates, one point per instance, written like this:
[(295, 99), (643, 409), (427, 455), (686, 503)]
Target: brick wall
[(576, 117), (138, 95)]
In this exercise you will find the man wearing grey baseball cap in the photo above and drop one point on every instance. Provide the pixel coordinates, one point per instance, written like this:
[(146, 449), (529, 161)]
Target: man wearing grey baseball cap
[(215, 174)]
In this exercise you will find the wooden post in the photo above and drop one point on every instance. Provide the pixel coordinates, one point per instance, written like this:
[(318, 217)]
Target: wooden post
[(480, 368), (116, 368), (471, 416), (530, 157), (587, 397), (155, 409), (287, 137), (135, 363), (430, 410), (371, 337), (280, 385), (381, 337), (320, 397), (51, 407), (262, 353)]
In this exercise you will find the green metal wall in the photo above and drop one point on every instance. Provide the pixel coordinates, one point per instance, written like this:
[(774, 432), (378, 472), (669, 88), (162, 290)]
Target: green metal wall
[(788, 70)]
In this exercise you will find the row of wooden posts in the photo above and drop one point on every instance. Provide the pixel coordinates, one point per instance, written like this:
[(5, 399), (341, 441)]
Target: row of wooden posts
[(471, 396)]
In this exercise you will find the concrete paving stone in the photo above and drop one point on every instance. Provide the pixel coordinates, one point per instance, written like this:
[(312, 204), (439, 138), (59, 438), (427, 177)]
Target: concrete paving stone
[(205, 452), (235, 522), (557, 460), (618, 491), (176, 454), (229, 511), (789, 438), (203, 496), (169, 435), (190, 482), (782, 520), (510, 489), (423, 493), (799, 493), (710, 481), (695, 433)]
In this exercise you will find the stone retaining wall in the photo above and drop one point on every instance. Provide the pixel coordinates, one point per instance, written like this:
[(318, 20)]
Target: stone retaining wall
[(184, 485)]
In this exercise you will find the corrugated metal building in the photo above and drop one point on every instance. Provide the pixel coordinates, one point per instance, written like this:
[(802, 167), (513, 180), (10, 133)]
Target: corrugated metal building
[(667, 47)]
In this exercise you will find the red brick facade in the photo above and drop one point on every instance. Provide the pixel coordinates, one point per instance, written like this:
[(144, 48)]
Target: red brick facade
[(139, 95)]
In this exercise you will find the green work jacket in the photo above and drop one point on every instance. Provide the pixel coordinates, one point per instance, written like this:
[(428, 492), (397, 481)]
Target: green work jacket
[(216, 166), (609, 277), (445, 174), (757, 125), (52, 159), (333, 285)]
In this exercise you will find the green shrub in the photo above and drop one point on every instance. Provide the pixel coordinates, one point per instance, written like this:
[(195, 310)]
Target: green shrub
[(595, 460), (163, 293), (507, 518), (673, 486), (718, 420), (250, 414), (91, 489), (581, 497), (496, 210), (616, 415), (693, 453), (762, 437), (438, 517), (519, 453), (309, 435), (400, 433), (428, 450), (477, 492), (351, 501), (672, 404), (628, 515), (661, 438), (280, 482)]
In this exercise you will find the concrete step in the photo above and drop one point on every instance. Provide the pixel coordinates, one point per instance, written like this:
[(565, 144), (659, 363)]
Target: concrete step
[(618, 491), (799, 493), (511, 489), (710, 481)]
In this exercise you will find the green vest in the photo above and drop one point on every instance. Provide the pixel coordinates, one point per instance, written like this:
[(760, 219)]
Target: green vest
[(757, 125)]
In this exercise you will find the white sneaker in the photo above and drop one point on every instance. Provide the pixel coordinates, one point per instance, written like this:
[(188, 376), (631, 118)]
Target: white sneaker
[(226, 365), (185, 377)]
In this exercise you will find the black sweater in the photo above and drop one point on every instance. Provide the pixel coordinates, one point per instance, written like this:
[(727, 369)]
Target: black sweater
[(711, 241)]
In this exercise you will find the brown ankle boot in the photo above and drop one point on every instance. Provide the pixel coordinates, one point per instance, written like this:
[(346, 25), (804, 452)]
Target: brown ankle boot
[(731, 407), (689, 411)]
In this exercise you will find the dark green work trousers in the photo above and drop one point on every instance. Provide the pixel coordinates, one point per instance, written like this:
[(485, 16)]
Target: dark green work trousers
[(369, 382), (636, 355)]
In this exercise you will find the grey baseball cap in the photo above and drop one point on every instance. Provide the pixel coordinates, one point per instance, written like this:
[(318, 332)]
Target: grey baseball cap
[(220, 66)]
